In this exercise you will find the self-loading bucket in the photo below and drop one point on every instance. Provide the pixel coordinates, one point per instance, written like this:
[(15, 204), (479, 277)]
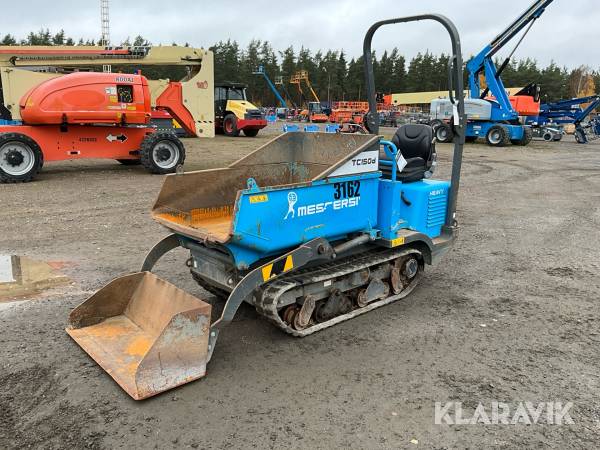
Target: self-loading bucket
[(147, 334)]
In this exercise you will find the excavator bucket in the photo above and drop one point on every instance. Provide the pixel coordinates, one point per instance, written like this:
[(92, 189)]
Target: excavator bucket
[(147, 334)]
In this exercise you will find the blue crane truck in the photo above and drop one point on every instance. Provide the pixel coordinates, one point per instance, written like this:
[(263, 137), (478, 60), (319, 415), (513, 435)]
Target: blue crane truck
[(493, 118)]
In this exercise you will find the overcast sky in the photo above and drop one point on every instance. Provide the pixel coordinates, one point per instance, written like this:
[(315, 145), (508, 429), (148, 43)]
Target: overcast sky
[(568, 32)]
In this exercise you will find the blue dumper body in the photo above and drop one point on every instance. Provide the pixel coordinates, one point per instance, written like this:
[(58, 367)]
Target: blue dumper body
[(298, 187), (418, 206)]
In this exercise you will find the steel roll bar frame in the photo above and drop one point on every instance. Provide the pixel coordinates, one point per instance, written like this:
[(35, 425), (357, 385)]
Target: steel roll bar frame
[(455, 76)]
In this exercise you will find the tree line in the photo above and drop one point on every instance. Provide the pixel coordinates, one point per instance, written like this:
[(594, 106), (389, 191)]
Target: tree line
[(336, 76)]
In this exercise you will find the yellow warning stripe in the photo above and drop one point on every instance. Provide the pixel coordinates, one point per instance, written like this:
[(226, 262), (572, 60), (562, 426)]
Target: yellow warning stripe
[(278, 267), (266, 272), (289, 263)]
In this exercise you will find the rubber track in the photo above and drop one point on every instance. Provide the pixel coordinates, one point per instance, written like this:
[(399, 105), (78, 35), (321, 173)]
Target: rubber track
[(266, 304)]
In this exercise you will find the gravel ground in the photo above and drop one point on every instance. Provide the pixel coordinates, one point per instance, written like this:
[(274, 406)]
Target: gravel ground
[(510, 315)]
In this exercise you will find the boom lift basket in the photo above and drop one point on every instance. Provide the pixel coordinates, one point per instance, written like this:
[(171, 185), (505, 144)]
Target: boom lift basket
[(147, 334)]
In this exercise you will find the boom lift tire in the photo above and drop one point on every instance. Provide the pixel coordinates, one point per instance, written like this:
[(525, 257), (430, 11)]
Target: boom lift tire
[(435, 123), (526, 139), (497, 136), (251, 132), (230, 125), (548, 136), (365, 121), (443, 133), (162, 152), (21, 158), (580, 137)]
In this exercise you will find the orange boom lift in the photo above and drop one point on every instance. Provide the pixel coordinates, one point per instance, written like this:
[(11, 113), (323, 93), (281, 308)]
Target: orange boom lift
[(92, 115), (313, 112)]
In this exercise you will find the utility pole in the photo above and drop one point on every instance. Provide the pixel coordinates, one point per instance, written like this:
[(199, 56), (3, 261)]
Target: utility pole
[(105, 27)]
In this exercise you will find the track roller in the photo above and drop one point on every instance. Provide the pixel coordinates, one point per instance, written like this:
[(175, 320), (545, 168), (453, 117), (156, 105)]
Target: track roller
[(309, 301)]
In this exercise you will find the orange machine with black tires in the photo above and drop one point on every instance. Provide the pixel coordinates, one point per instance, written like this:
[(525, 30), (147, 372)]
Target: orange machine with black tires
[(89, 115)]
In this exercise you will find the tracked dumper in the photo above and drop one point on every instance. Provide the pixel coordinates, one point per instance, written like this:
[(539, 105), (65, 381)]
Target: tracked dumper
[(315, 192), (312, 229)]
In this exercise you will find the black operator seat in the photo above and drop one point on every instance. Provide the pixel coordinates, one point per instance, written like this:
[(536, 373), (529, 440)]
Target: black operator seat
[(415, 142)]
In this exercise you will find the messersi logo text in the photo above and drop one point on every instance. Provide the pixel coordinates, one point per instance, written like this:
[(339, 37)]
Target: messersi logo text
[(317, 208)]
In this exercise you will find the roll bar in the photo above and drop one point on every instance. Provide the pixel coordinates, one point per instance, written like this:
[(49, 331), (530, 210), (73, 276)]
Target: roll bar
[(455, 77)]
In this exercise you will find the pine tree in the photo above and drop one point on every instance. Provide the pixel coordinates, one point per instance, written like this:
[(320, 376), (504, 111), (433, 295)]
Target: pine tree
[(414, 74), (355, 89), (42, 37), (387, 71), (8, 39), (329, 78), (440, 73), (59, 38), (268, 60), (249, 60), (226, 60), (140, 41), (341, 74), (288, 62), (398, 81), (345, 80), (553, 83)]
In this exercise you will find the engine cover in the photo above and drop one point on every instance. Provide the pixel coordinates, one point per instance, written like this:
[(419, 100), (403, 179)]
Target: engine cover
[(475, 109), (88, 98)]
